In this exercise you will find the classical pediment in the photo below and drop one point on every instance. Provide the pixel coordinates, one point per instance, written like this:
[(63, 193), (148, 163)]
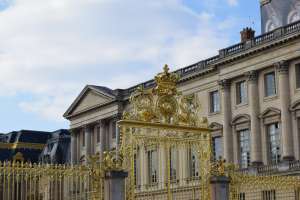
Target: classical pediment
[(215, 126), (295, 106), (90, 97), (243, 118), (270, 112)]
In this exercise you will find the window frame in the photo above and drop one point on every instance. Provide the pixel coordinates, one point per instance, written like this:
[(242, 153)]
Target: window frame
[(240, 100), (278, 145), (266, 95), (214, 146), (297, 76), (241, 152), (152, 177), (214, 108)]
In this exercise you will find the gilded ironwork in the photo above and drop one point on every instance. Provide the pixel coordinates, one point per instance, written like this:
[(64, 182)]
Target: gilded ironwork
[(30, 181), (161, 119), (165, 104)]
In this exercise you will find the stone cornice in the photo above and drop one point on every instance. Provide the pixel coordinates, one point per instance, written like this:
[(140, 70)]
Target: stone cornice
[(263, 2), (252, 75), (224, 84), (282, 66)]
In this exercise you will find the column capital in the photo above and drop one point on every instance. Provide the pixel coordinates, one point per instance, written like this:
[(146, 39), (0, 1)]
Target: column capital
[(282, 66), (224, 83), (252, 75)]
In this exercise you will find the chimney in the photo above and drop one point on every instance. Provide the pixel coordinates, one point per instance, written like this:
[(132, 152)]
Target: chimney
[(247, 34)]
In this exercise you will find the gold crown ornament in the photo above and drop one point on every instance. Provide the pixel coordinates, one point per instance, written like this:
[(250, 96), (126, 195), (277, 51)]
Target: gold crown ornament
[(166, 83)]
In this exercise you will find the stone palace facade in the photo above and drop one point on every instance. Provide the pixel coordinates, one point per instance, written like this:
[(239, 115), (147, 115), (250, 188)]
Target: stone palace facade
[(250, 93)]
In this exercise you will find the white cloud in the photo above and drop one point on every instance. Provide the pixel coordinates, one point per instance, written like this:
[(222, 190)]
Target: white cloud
[(232, 2), (51, 49)]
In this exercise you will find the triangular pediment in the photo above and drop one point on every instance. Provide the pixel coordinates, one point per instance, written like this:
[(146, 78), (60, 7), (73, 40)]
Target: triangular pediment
[(270, 112), (215, 126), (295, 106), (241, 119), (89, 98)]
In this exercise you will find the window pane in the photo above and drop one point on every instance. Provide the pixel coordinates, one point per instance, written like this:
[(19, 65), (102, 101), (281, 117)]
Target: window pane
[(152, 166), (194, 162), (270, 86), (214, 101), (114, 129), (98, 134), (244, 139), (241, 90), (274, 143), (298, 76), (173, 164), (217, 147)]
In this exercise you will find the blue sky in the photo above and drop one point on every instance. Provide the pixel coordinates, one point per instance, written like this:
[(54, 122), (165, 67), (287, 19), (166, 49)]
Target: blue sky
[(51, 49)]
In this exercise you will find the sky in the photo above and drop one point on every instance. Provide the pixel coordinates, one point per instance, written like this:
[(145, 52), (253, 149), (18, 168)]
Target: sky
[(49, 50)]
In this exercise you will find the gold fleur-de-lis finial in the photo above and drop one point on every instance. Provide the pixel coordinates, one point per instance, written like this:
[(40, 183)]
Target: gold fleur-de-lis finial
[(166, 69)]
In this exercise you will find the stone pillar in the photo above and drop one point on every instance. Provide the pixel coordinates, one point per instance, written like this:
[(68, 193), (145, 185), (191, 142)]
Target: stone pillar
[(219, 188), (73, 147), (286, 126), (162, 166), (102, 138), (87, 135), (296, 136), (143, 167), (78, 141), (256, 148), (114, 186), (227, 115)]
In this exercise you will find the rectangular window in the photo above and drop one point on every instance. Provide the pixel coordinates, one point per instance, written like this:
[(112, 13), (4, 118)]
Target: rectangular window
[(297, 76), (214, 102), (274, 143), (270, 84), (217, 147), (83, 137), (242, 196), (241, 92), (194, 162), (136, 169), (114, 131), (173, 163), (98, 134), (152, 166), (269, 195), (244, 145)]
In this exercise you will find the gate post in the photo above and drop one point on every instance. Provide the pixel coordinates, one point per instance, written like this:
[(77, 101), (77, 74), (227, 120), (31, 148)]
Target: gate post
[(114, 185), (219, 187)]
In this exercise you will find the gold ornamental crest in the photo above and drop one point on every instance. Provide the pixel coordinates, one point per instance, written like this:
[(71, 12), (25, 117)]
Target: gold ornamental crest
[(164, 104)]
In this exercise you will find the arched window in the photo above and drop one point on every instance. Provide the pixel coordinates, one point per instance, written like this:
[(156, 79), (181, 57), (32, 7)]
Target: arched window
[(270, 26), (293, 16)]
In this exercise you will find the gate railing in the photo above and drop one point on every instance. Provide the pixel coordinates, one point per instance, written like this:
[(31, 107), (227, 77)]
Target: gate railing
[(27, 181)]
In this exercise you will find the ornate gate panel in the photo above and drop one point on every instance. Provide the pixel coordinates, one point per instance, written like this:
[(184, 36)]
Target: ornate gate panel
[(165, 145), (26, 181), (260, 187)]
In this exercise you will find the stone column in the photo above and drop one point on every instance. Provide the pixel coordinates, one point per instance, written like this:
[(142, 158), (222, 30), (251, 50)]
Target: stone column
[(78, 141), (227, 115), (87, 135), (286, 126), (114, 187), (73, 146), (219, 188), (296, 136), (183, 165), (255, 134), (143, 167), (102, 138)]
